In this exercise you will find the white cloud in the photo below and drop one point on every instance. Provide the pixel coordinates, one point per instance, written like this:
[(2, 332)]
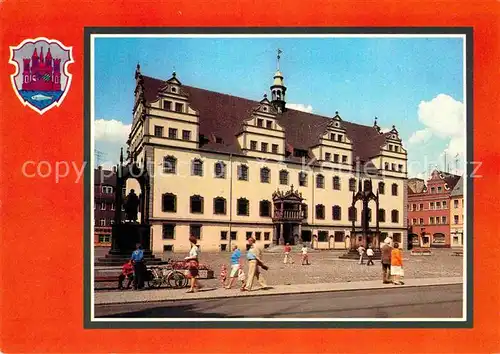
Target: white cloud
[(300, 107), (420, 136), (110, 136), (443, 116), (385, 130)]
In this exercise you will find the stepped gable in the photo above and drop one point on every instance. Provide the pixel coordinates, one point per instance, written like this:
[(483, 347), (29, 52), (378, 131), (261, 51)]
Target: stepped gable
[(222, 115)]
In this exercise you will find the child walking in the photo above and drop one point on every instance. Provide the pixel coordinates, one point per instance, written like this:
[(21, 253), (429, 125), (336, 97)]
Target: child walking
[(241, 276), (223, 275)]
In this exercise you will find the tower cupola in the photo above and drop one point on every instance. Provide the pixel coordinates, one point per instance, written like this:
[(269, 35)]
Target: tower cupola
[(278, 89)]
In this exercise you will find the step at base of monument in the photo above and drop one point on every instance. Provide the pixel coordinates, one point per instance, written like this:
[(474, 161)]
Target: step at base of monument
[(118, 259), (353, 254)]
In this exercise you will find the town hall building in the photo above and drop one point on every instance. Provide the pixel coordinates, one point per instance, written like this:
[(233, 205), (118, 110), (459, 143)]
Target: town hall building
[(224, 168)]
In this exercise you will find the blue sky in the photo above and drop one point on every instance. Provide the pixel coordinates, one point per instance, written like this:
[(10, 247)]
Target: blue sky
[(414, 83)]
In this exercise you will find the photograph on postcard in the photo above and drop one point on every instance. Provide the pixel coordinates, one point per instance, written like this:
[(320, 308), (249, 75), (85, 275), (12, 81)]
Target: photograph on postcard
[(278, 177)]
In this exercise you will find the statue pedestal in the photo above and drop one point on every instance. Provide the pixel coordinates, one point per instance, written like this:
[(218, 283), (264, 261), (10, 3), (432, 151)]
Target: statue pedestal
[(124, 238)]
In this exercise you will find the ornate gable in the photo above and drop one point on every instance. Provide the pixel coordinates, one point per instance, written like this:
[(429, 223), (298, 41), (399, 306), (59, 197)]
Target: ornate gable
[(290, 195), (173, 87), (265, 107)]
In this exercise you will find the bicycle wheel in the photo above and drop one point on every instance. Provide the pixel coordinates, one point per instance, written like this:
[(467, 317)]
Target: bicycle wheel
[(176, 280), (155, 279)]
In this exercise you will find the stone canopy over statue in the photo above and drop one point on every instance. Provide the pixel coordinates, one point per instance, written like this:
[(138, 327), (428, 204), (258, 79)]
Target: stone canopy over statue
[(131, 206)]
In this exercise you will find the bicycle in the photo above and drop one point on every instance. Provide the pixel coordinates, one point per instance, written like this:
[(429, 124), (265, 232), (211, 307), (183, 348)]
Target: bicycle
[(157, 276)]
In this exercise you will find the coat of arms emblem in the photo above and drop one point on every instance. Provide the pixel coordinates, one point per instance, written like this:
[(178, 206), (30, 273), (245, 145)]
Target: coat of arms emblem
[(41, 80)]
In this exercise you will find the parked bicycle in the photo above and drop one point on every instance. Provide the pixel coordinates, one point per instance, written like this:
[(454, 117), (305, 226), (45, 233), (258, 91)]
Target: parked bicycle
[(158, 276)]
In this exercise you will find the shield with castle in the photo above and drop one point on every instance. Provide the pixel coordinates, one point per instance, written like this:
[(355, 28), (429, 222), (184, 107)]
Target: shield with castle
[(41, 80)]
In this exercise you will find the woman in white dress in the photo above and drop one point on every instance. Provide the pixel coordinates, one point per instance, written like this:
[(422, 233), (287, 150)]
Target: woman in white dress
[(193, 262)]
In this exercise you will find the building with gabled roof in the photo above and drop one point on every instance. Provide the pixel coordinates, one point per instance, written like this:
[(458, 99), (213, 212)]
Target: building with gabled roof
[(457, 207), (218, 162)]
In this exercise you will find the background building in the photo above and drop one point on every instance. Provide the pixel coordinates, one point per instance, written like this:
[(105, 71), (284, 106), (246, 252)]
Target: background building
[(104, 205), (457, 214), (428, 210), (225, 168)]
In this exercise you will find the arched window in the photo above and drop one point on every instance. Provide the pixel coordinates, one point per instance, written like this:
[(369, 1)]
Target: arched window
[(336, 212), (196, 202), (284, 177), (169, 202), (220, 206), (386, 166), (265, 175), (243, 207), (320, 181), (302, 179), (336, 183), (381, 215), (220, 169), (381, 187), (320, 211), (395, 216), (352, 184), (169, 164), (243, 173), (394, 189), (353, 214), (265, 208), (197, 167)]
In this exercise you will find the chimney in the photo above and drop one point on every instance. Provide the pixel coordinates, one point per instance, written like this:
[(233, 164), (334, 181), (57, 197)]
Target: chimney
[(114, 169)]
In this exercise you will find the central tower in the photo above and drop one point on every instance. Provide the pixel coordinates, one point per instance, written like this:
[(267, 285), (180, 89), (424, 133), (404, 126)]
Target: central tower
[(278, 89)]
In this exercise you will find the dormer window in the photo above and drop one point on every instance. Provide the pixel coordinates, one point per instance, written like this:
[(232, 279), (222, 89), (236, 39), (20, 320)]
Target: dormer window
[(264, 109), (390, 147), (219, 140), (339, 137), (260, 123), (337, 124), (393, 136), (179, 107), (269, 124), (396, 148), (167, 105), (174, 89), (332, 137)]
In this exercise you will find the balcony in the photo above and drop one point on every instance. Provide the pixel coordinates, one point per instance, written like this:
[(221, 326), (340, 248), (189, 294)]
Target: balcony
[(288, 215)]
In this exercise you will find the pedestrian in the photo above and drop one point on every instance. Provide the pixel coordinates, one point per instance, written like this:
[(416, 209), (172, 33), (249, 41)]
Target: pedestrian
[(305, 256), (193, 263), (254, 256), (370, 254), (241, 276), (397, 265), (128, 273), (138, 260), (361, 251), (288, 258), (386, 251), (235, 266), (223, 275)]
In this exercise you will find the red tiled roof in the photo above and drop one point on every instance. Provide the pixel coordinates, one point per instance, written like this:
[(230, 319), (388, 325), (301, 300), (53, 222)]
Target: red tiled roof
[(221, 115)]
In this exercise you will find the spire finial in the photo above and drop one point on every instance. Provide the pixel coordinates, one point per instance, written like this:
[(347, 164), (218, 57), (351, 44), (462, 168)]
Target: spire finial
[(279, 56), (121, 156)]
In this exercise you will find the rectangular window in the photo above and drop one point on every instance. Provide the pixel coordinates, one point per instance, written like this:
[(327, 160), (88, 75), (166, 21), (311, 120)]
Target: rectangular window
[(433, 190), (414, 207), (253, 145), (421, 221), (302, 179), (195, 230), (431, 206), (102, 222), (104, 238), (396, 237), (248, 235), (242, 173), (396, 148), (322, 236), (263, 147), (332, 137), (179, 107), (113, 206), (400, 168), (352, 185), (390, 147), (443, 220), (455, 219), (439, 189), (168, 248), (158, 131), (257, 236), (328, 156), (344, 159), (233, 235), (186, 135), (172, 133), (438, 205), (339, 137), (445, 205), (339, 236), (455, 204), (431, 220), (260, 123), (168, 231), (167, 105), (266, 236), (223, 247), (393, 166), (336, 158), (269, 124), (223, 235), (275, 148), (421, 207), (414, 221), (103, 206)]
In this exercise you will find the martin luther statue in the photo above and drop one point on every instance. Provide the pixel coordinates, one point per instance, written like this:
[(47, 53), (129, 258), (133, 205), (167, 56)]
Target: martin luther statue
[(131, 206)]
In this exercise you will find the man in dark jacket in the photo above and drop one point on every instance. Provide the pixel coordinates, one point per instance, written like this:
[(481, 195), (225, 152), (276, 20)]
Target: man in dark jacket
[(385, 251)]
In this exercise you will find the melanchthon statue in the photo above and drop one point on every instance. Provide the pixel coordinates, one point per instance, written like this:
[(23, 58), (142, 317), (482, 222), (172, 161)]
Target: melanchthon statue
[(131, 206)]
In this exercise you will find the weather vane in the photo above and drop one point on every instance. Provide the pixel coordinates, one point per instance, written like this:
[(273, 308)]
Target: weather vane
[(279, 52)]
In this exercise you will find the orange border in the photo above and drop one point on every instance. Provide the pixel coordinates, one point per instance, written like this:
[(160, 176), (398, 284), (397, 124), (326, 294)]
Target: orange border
[(42, 222)]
